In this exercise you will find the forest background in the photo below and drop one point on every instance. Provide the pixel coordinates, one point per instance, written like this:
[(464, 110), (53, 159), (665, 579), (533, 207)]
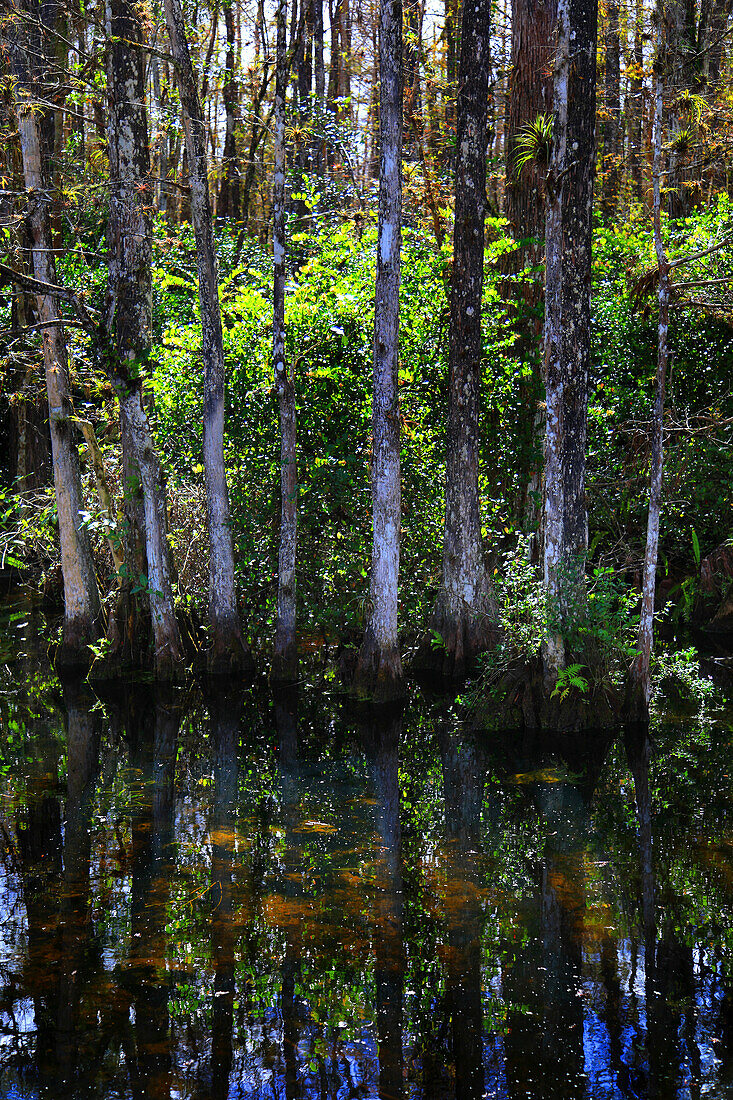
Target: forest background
[(325, 96)]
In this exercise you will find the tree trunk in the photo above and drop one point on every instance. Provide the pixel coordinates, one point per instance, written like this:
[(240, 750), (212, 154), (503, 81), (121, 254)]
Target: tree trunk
[(635, 103), (318, 62), (683, 69), (567, 313), (714, 15), (529, 100), (639, 692), (463, 613), (227, 652), (452, 31), (379, 669), (81, 596), (129, 331), (413, 45), (334, 69), (530, 96), (611, 124), (285, 663), (228, 202)]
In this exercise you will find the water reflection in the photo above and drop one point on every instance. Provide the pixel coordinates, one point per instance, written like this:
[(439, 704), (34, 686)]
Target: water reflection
[(255, 897)]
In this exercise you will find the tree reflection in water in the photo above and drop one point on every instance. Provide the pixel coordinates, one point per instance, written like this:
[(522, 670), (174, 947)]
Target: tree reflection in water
[(242, 896)]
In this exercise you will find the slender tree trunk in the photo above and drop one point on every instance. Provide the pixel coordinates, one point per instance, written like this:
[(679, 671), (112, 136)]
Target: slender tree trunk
[(635, 103), (379, 668), (228, 652), (639, 692), (346, 111), (129, 326), (567, 312), (611, 124), (452, 30), (413, 43), (81, 596), (334, 69), (318, 62), (228, 202), (463, 613), (285, 663)]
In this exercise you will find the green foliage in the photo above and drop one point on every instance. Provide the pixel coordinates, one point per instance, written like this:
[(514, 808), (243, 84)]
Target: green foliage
[(533, 143), (680, 669), (568, 680)]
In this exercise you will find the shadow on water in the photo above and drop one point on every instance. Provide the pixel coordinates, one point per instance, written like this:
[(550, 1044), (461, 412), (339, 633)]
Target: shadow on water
[(246, 896)]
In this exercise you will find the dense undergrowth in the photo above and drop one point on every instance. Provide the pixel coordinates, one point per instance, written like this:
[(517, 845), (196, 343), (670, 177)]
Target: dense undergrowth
[(329, 333)]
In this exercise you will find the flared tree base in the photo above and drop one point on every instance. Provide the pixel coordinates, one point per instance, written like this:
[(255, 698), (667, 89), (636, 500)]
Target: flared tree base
[(378, 676), (228, 654), (635, 706), (456, 636), (284, 669), (521, 701), (74, 655)]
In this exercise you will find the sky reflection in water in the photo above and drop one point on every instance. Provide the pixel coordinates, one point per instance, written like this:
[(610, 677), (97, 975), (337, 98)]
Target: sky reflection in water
[(253, 897)]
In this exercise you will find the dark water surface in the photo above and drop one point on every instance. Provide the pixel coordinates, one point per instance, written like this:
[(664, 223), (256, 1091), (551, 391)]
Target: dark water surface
[(259, 897)]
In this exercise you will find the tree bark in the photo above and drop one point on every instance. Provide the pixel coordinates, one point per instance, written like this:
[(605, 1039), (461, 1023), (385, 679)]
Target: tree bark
[(530, 95), (285, 663), (379, 668), (639, 692), (635, 103), (319, 69), (611, 123), (567, 312), (227, 653), (529, 99), (464, 612), (683, 70), (229, 200), (334, 69), (129, 324), (82, 609)]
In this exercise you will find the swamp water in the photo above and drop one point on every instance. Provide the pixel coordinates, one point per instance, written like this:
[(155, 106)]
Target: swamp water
[(251, 896)]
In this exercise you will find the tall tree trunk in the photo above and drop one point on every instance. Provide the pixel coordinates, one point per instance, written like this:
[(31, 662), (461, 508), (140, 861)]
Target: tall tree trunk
[(452, 32), (285, 663), (129, 326), (346, 110), (334, 69), (413, 45), (635, 103), (379, 668), (682, 76), (82, 609), (228, 202), (530, 96), (529, 100), (319, 69), (714, 15), (640, 680), (567, 312), (463, 612), (611, 123), (227, 652)]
